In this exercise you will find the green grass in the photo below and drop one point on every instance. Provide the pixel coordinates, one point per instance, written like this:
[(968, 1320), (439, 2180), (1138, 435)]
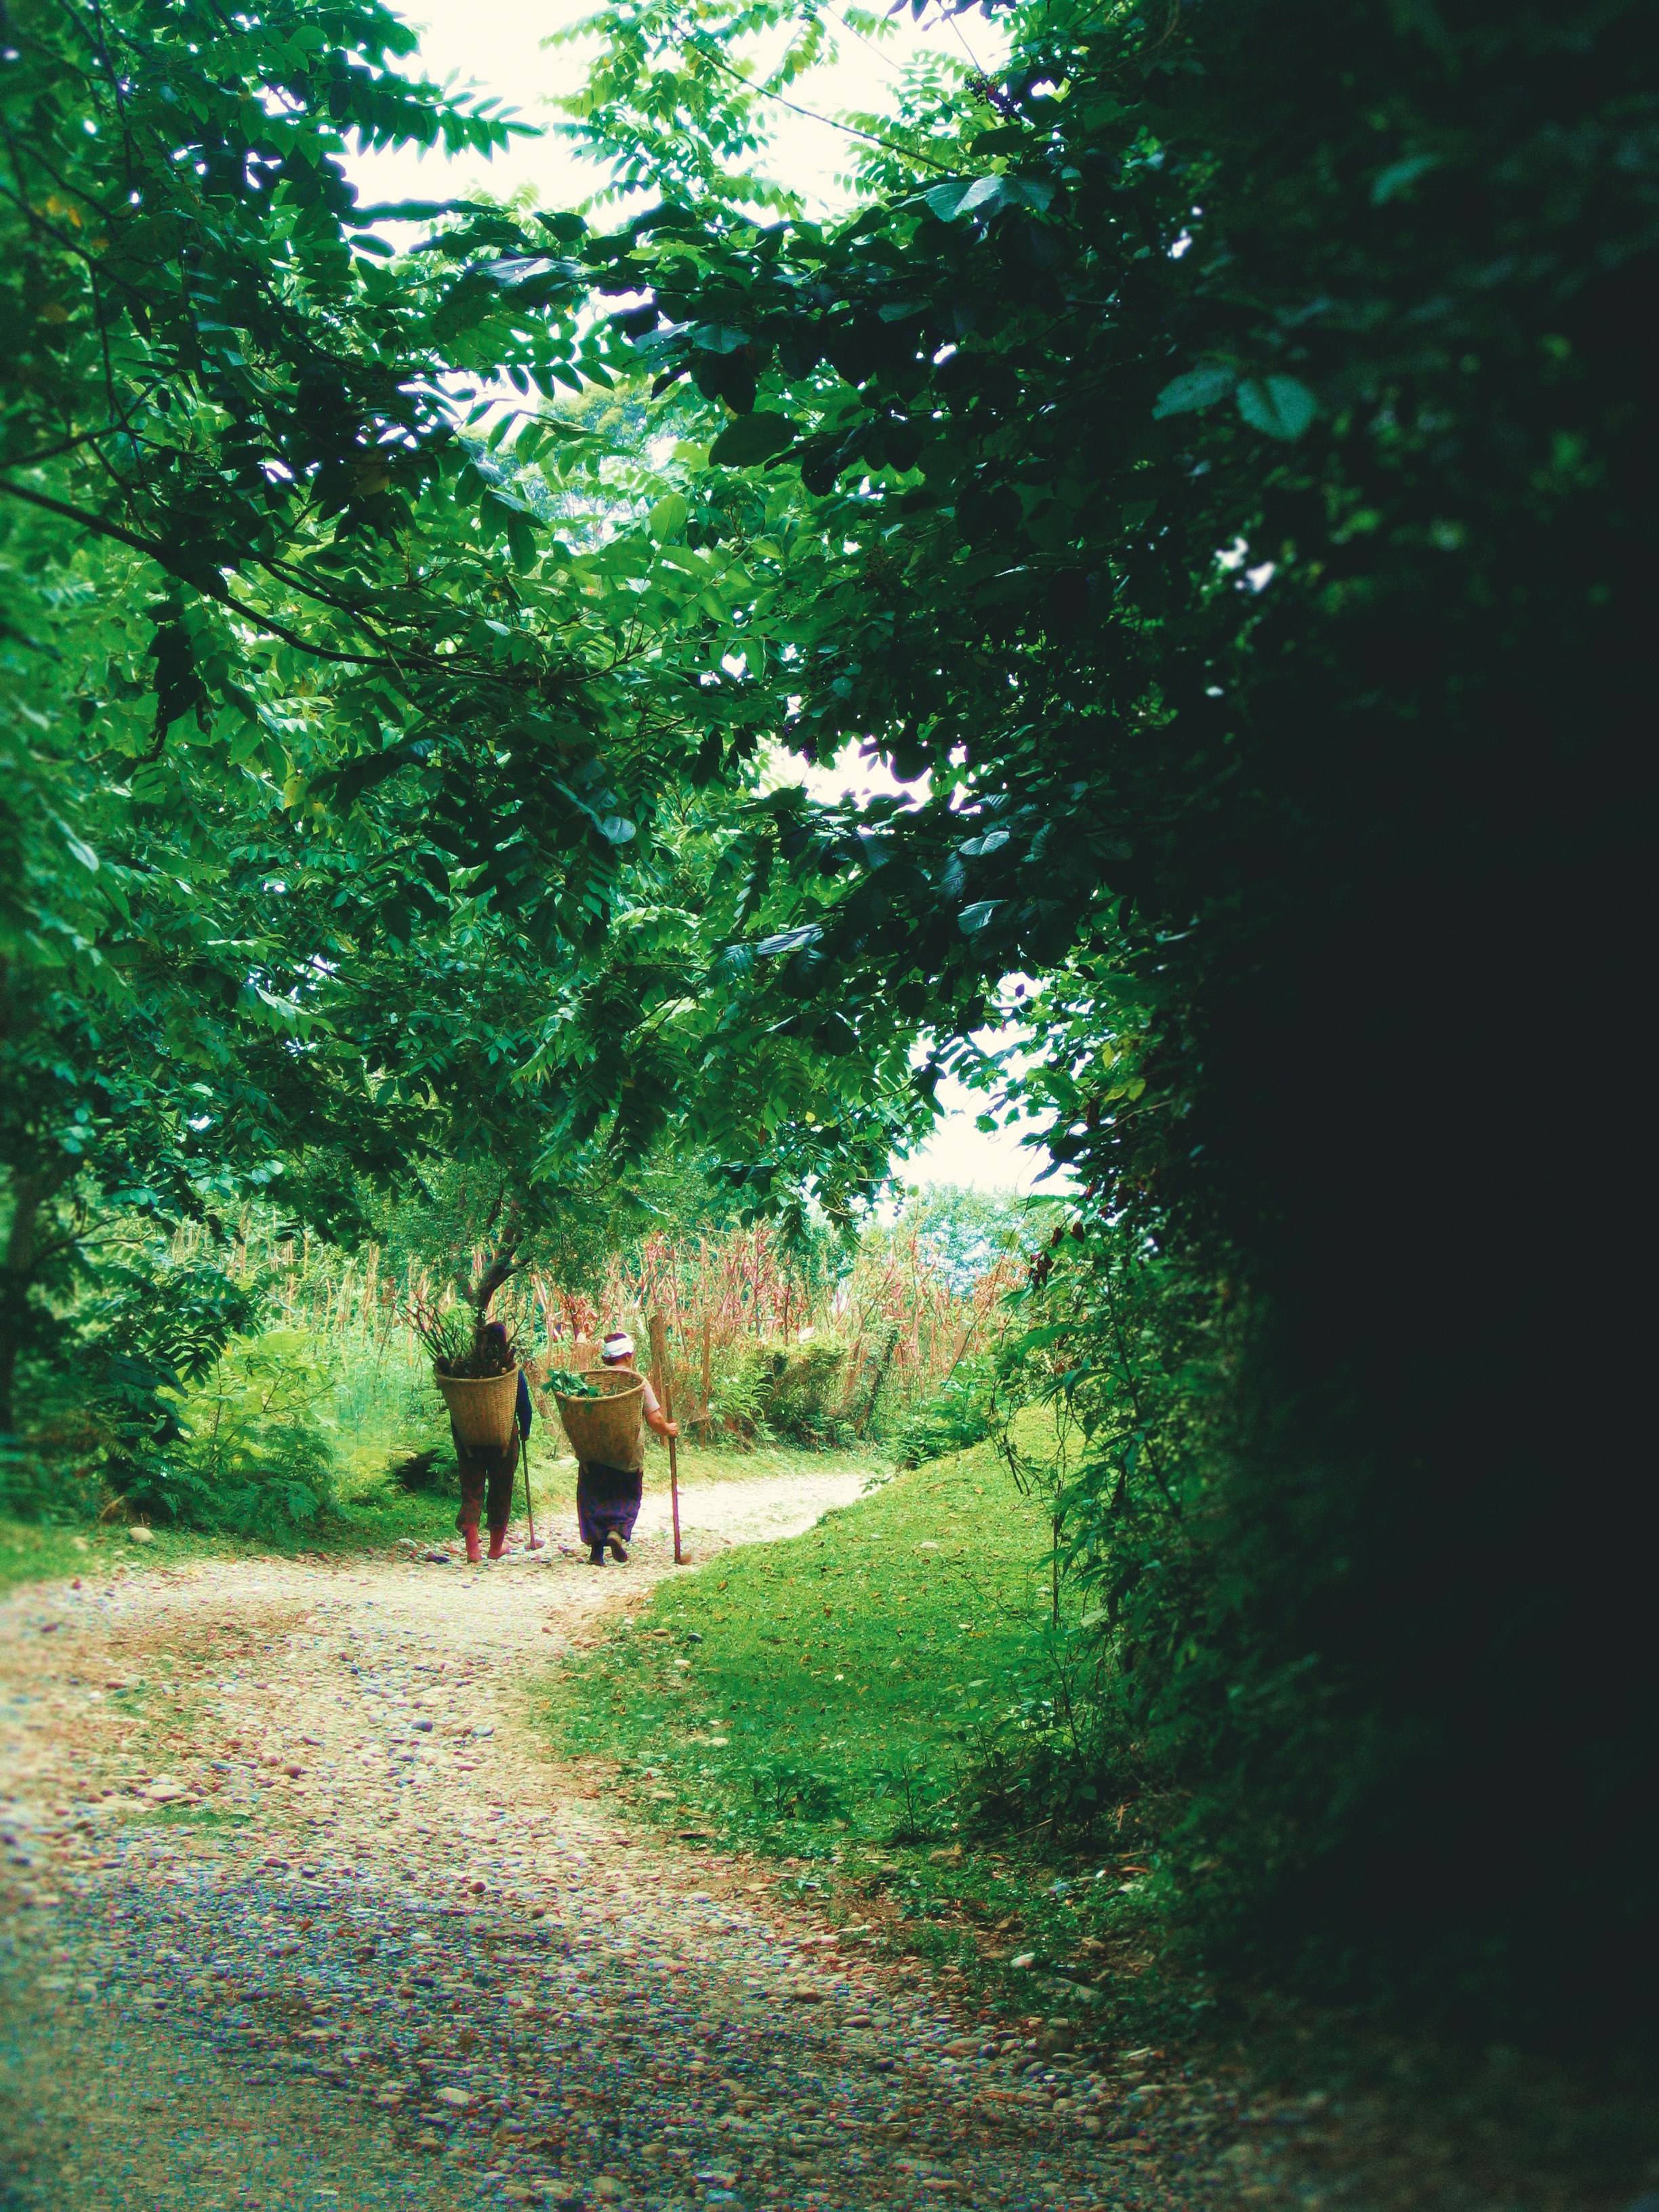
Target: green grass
[(857, 1658), (32, 1553), (206, 1819), (703, 1463), (817, 1702), (374, 1512)]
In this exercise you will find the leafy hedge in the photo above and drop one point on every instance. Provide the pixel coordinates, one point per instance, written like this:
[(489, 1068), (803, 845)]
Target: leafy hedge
[(1240, 439)]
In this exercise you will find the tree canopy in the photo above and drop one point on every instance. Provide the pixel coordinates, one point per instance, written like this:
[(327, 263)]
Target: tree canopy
[(1210, 467), (335, 740)]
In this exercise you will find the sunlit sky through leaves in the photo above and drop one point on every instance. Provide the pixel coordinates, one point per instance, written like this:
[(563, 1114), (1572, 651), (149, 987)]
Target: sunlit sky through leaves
[(501, 52)]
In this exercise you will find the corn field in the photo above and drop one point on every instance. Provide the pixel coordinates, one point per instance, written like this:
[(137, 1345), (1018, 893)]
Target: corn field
[(754, 1348), (749, 1339)]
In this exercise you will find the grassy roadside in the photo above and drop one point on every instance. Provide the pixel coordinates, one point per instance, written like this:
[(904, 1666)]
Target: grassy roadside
[(373, 1514), (817, 1702), (31, 1553), (807, 1708)]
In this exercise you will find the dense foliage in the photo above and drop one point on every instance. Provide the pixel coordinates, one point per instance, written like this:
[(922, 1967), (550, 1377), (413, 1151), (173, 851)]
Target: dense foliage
[(333, 743), (1240, 460), (1213, 469)]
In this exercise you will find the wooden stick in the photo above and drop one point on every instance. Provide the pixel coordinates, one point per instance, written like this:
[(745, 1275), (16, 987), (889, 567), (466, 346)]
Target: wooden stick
[(529, 1509), (665, 1399)]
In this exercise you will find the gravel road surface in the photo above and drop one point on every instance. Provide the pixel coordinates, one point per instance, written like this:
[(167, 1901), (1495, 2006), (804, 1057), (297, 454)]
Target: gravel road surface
[(296, 1910)]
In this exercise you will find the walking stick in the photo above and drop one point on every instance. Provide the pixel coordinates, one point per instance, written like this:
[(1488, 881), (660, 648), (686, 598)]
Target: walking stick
[(665, 1397), (529, 1509)]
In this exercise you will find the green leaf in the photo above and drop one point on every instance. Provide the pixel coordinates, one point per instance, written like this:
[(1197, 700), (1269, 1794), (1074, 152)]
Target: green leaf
[(669, 514), (986, 196), (720, 338), (788, 941), (751, 438), (1003, 139), (1277, 404), (521, 542), (1393, 180), (409, 211), (835, 1035), (1198, 387), (82, 852)]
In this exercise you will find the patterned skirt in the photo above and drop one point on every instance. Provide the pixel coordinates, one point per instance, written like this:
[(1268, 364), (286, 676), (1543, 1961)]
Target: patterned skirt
[(607, 1500)]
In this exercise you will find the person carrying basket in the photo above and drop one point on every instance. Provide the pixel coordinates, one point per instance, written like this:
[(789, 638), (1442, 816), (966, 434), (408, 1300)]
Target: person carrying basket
[(607, 1497), (487, 1471)]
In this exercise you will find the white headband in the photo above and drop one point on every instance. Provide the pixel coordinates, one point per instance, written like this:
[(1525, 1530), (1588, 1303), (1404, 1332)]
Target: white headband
[(617, 1346)]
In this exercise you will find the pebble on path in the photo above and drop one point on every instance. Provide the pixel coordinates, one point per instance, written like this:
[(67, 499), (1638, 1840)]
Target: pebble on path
[(295, 1910)]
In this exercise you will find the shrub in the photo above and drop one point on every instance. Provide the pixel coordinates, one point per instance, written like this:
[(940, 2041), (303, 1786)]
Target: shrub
[(786, 1792), (764, 1393), (248, 1453), (953, 1417), (55, 1476), (145, 1331), (804, 1386)]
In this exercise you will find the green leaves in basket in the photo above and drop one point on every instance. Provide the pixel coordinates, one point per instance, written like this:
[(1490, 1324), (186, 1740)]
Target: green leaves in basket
[(570, 1386)]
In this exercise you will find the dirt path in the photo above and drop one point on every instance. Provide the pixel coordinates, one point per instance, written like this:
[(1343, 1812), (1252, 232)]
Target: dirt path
[(295, 1910)]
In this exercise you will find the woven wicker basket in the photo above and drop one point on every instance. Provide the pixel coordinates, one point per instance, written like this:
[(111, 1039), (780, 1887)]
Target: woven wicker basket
[(606, 1428), (481, 1407)]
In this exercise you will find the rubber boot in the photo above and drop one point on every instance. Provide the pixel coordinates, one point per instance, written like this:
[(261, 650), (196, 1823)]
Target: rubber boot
[(469, 1531), (497, 1542)]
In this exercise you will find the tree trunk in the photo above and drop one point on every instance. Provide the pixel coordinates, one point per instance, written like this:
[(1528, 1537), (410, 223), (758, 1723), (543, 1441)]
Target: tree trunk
[(502, 1265)]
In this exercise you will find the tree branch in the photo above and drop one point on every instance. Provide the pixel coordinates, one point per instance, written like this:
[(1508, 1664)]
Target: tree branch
[(211, 587), (870, 137)]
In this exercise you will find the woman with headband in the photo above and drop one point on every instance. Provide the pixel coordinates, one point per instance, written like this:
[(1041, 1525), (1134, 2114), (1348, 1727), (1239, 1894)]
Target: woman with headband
[(608, 1497)]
